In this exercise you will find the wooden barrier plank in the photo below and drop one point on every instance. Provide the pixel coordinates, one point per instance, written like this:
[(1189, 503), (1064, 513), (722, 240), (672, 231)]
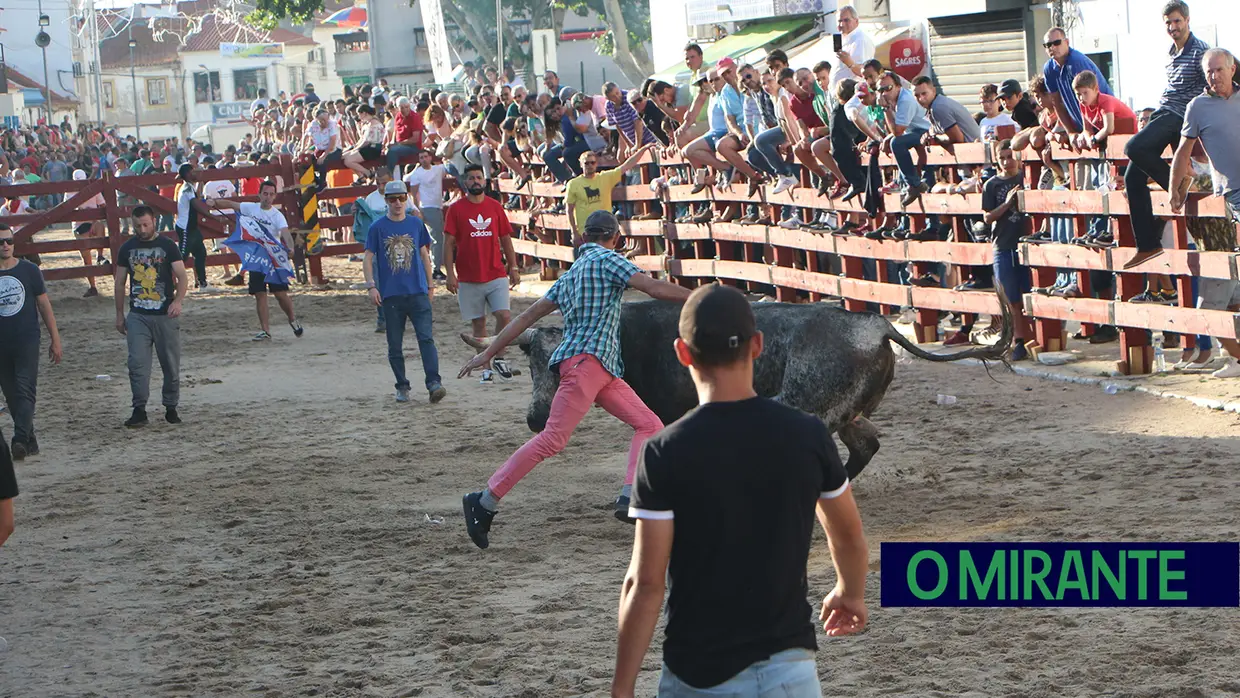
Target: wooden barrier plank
[(691, 267), (519, 217), (962, 253), (687, 231), (875, 292), (736, 232), (814, 282), (873, 249), (1063, 256), (745, 271), (1091, 310), (1189, 321), (801, 239), (543, 250), (50, 246), (67, 273), (955, 301), (1215, 265), (649, 262), (938, 204), (648, 228)]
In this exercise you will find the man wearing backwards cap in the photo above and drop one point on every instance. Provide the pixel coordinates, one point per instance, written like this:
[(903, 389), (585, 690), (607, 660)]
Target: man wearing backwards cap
[(738, 623), (588, 296)]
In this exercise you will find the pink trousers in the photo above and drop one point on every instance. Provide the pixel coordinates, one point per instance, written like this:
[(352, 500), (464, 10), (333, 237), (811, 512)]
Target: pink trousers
[(583, 382)]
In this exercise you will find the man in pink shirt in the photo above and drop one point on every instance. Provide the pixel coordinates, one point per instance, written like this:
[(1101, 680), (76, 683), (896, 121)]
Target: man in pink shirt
[(1102, 114)]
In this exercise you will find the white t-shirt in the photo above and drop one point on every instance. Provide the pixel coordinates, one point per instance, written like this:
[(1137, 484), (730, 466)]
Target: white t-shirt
[(860, 47), (11, 209), (429, 184), (185, 194), (220, 189), (321, 136), (990, 123), (271, 218), (856, 110)]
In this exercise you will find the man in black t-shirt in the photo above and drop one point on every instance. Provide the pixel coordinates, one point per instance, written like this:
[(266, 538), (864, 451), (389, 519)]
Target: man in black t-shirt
[(157, 282), (725, 500), (1001, 203), (23, 298), (1022, 110)]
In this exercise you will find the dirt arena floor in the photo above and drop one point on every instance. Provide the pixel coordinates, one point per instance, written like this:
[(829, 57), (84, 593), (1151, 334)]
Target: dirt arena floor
[(286, 539)]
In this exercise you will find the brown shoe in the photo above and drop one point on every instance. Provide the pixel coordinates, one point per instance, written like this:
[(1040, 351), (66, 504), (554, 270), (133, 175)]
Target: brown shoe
[(957, 339), (1141, 258)]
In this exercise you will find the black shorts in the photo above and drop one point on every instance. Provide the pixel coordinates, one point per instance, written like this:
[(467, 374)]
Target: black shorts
[(512, 148), (370, 152), (83, 229), (258, 284)]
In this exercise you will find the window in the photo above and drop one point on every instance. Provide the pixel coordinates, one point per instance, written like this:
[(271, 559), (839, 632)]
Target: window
[(322, 62), (156, 91), (248, 82), (109, 95), (419, 38), (207, 87), (296, 78)]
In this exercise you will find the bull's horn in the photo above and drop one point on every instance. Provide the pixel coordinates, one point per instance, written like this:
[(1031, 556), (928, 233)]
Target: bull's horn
[(481, 343)]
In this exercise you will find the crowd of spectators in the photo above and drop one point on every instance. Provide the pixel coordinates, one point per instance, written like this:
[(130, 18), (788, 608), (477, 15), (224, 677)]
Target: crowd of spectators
[(763, 125)]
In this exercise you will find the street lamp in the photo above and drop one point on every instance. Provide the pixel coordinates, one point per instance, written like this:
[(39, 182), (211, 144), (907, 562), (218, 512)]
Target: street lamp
[(133, 80), (42, 40)]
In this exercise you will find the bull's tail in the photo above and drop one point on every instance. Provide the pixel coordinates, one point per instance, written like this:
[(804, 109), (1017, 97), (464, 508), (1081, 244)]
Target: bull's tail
[(990, 353)]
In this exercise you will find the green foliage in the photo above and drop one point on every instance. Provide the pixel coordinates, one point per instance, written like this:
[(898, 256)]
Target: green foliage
[(636, 16), (268, 13)]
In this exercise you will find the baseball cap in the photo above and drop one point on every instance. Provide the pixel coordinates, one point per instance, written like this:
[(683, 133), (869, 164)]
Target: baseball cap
[(862, 89), (725, 63), (601, 224), (395, 187), (79, 175), (715, 322), (578, 100), (703, 76), (1009, 88)]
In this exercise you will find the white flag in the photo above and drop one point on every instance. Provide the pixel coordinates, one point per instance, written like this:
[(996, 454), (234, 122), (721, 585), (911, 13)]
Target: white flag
[(437, 41)]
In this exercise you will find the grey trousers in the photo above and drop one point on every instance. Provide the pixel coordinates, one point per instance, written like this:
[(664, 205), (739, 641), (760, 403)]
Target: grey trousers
[(433, 217), (19, 376), (163, 334)]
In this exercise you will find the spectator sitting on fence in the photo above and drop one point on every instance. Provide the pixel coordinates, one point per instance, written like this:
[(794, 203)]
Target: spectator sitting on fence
[(1022, 110), (725, 111), (910, 127), (581, 121), (993, 116), (1185, 81), (369, 144), (1048, 126), (1211, 118), (406, 137), (516, 147)]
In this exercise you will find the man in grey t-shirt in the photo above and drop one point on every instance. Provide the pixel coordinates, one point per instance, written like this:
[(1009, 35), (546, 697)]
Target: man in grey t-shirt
[(952, 122)]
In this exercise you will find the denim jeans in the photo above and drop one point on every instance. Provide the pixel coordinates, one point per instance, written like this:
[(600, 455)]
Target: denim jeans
[(396, 153), (900, 147), (573, 153), (418, 309), (764, 155), (788, 674), (1145, 162), (553, 156), (1061, 233), (19, 377)]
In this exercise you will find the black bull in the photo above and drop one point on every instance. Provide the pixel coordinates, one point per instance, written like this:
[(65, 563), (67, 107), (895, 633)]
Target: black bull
[(826, 361)]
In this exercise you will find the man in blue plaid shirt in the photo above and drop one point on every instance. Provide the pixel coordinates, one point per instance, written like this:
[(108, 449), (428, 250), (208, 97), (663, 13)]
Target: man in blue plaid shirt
[(588, 297)]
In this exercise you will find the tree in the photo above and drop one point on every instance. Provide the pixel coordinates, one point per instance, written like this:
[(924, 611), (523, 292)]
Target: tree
[(627, 36), (268, 13)]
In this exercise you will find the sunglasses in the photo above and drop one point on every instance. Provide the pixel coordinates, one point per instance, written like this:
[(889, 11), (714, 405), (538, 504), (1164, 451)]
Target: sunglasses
[(7, 241), (396, 198), (886, 88), (1052, 44)]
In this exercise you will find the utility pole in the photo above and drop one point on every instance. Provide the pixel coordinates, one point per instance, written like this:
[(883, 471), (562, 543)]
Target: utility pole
[(133, 79), (499, 37), (41, 40), (96, 70)]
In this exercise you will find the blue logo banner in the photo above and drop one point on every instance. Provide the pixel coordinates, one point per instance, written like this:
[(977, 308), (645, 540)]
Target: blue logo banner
[(1061, 574)]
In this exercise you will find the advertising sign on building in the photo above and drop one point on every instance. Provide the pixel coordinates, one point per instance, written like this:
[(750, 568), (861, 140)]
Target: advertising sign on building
[(234, 50), (908, 58), (229, 111)]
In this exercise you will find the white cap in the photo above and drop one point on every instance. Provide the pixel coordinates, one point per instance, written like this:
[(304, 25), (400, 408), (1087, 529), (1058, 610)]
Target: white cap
[(79, 175)]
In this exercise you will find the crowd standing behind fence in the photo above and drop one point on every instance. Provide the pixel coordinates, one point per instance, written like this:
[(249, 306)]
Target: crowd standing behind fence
[(814, 146)]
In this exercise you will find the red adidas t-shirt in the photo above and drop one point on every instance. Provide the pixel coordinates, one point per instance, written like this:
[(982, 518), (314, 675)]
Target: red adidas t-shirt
[(477, 229)]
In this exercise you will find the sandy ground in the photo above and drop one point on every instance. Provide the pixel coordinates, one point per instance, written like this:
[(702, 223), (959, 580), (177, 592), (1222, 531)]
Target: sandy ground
[(278, 544)]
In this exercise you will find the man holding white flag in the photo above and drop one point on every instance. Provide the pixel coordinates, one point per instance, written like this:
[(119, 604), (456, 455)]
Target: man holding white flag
[(262, 240)]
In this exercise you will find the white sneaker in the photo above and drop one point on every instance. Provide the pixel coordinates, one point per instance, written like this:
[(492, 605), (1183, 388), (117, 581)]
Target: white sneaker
[(1231, 369), (790, 223), (783, 184)]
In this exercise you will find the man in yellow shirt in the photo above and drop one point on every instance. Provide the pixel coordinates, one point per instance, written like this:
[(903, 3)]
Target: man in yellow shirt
[(592, 190)]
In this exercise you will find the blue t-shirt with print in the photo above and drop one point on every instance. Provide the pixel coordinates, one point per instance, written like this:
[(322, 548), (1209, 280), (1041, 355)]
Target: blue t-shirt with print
[(397, 247)]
